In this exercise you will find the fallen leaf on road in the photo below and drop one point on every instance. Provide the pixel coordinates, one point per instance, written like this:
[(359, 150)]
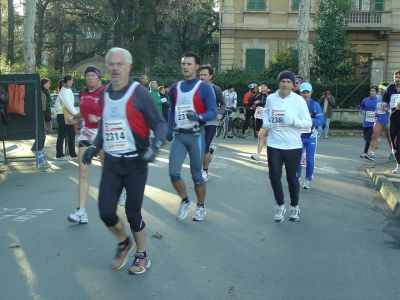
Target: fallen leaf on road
[(157, 235)]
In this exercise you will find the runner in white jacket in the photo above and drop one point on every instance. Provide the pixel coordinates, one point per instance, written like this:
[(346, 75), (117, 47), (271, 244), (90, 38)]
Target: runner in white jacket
[(285, 114)]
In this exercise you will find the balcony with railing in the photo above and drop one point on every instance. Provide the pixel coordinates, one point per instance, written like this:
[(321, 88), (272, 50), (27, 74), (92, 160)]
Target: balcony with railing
[(375, 19)]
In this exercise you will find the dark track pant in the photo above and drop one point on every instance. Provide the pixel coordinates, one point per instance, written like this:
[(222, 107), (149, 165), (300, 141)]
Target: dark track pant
[(130, 173), (63, 130), (291, 158)]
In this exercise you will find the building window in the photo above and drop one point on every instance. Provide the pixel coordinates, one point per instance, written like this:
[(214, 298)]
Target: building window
[(368, 5), (255, 58), (295, 5), (361, 63), (256, 5)]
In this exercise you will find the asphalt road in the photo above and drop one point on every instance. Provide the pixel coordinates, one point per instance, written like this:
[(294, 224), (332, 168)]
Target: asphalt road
[(345, 246)]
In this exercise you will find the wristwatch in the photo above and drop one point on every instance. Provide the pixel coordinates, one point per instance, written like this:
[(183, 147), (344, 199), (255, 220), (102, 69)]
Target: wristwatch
[(98, 119), (201, 118)]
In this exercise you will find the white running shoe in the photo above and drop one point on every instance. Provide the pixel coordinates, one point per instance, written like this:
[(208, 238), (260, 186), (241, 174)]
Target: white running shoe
[(204, 174), (62, 158), (78, 216), (280, 213), (183, 209), (370, 156), (294, 215), (396, 171), (256, 156), (212, 151), (306, 185), (122, 198), (199, 214)]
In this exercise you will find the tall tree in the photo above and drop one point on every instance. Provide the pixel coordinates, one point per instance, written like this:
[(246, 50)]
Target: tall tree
[(141, 34), (41, 7), (11, 28), (60, 27), (29, 36), (117, 6), (188, 25), (333, 49), (302, 40)]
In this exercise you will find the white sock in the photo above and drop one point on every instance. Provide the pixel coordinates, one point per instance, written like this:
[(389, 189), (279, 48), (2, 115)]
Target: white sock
[(82, 209), (372, 152)]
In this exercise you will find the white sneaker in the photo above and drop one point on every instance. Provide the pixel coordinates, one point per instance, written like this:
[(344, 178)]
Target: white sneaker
[(199, 214), (299, 180), (62, 158), (212, 150), (396, 171), (256, 156), (280, 213), (78, 216), (294, 215), (122, 198), (204, 174), (183, 209), (306, 185)]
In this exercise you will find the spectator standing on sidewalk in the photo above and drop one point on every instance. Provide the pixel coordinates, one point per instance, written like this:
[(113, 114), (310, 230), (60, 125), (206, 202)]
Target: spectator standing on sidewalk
[(367, 109), (327, 101), (230, 97), (155, 94), (285, 115), (143, 80), (65, 99), (45, 84), (127, 112), (249, 112), (164, 95)]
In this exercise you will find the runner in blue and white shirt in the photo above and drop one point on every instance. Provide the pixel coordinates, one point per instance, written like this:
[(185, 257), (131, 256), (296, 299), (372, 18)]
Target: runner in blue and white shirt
[(381, 122), (309, 135)]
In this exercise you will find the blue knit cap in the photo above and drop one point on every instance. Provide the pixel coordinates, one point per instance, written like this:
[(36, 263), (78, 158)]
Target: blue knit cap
[(286, 75)]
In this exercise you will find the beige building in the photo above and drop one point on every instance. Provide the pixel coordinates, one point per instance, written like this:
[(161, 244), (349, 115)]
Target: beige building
[(251, 29)]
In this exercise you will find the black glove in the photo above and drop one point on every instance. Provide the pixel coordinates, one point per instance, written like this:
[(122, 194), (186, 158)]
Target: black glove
[(192, 115), (87, 156), (170, 136), (149, 154)]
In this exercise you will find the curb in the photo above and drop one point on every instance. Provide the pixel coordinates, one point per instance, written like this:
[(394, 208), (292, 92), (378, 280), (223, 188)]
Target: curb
[(389, 192)]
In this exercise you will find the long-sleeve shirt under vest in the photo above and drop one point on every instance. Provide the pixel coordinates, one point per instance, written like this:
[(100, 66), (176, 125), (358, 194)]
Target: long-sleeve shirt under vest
[(141, 114), (203, 101), (219, 102)]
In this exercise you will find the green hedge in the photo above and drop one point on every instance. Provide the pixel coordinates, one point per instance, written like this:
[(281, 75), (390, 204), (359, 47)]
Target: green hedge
[(241, 78)]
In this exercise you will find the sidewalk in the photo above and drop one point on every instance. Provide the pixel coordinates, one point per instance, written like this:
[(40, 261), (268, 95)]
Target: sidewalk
[(388, 184)]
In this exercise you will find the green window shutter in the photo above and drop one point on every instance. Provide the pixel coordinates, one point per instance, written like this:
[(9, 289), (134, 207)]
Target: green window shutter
[(261, 5), (379, 5), (251, 5), (256, 5), (255, 58), (295, 5)]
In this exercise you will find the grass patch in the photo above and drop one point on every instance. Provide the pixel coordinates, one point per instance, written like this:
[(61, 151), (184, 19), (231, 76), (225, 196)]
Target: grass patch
[(346, 125), (345, 134)]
